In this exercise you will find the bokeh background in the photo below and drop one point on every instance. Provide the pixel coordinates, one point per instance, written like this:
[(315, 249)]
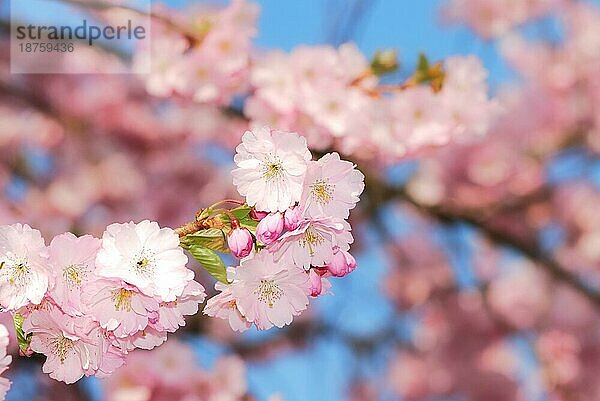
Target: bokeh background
[(478, 275)]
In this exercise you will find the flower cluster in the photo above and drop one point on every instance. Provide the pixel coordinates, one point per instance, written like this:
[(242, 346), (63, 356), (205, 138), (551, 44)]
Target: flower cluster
[(334, 96), (495, 18), (210, 62), (302, 236), (85, 302), (172, 373)]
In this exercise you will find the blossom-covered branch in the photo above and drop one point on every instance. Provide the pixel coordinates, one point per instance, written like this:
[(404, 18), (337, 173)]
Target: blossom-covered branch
[(86, 303)]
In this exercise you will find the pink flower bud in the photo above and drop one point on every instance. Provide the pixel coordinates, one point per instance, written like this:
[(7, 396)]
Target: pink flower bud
[(292, 218), (240, 242), (257, 214), (270, 228), (315, 284), (341, 264)]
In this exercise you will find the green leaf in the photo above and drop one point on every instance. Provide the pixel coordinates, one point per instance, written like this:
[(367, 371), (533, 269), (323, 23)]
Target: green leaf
[(250, 224), (427, 73), (211, 238), (423, 63), (242, 213), (22, 338), (209, 260)]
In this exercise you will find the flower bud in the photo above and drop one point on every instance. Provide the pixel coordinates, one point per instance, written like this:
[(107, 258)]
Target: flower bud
[(384, 62), (239, 241), (257, 215), (292, 217), (315, 284), (341, 264), (270, 228)]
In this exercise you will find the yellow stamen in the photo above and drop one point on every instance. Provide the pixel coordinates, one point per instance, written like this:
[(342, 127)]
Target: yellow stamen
[(311, 238), (61, 346), (122, 299), (321, 191), (142, 263), (268, 292), (72, 275), (19, 271)]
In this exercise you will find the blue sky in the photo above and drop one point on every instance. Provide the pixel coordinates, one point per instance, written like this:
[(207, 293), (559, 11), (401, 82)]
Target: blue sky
[(409, 26)]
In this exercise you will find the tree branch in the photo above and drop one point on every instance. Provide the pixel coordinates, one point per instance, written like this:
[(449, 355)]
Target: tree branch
[(527, 247)]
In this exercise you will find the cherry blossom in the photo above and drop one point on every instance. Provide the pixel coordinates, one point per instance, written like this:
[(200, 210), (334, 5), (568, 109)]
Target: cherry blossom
[(271, 168), (171, 371), (70, 345), (72, 264), (332, 187), (118, 307), (495, 18), (171, 314), (224, 306), (268, 293), (24, 273), (209, 63), (312, 243), (146, 256)]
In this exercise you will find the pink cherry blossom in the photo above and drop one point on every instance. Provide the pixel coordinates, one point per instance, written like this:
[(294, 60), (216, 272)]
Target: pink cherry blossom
[(5, 360), (464, 98), (312, 243), (485, 195), (146, 256), (118, 307), (112, 357), (418, 118), (147, 339), (162, 54), (332, 187), (24, 275), (559, 353), (172, 372), (72, 263), (269, 293), (171, 314), (224, 306), (70, 344), (274, 81), (208, 62), (521, 296), (270, 168), (496, 18)]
